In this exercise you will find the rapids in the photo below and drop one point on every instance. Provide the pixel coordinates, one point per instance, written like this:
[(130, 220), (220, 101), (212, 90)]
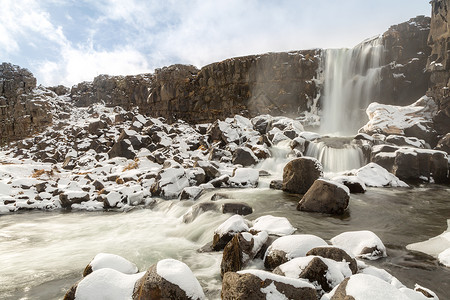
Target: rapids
[(44, 253)]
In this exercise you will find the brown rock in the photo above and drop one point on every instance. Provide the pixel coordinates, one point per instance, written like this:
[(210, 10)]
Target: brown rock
[(324, 197), (336, 254), (250, 287), (242, 209), (299, 175)]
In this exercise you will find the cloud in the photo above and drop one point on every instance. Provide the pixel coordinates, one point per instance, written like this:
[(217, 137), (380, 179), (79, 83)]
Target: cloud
[(67, 41)]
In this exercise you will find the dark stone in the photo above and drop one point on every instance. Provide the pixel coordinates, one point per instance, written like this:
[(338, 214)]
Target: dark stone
[(242, 209), (244, 156), (232, 259), (276, 184), (316, 271), (336, 254), (299, 175), (40, 187), (444, 144), (248, 287), (324, 197)]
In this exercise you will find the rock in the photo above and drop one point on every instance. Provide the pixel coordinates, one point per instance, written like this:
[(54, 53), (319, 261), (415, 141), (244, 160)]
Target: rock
[(336, 254), (96, 126), (69, 163), (211, 172), (125, 144), (112, 261), (365, 244), (299, 174), (444, 144), (69, 198), (256, 285), (225, 232), (276, 184), (170, 183), (325, 197), (191, 193), (289, 247), (98, 185), (324, 273), (377, 176), (168, 279), (40, 187), (105, 283), (353, 183), (244, 177), (242, 248), (198, 209), (273, 225), (242, 209), (244, 156)]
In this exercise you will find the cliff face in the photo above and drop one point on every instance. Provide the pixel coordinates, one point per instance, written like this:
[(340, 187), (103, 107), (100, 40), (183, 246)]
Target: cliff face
[(404, 77), (439, 63), (277, 83), (22, 110)]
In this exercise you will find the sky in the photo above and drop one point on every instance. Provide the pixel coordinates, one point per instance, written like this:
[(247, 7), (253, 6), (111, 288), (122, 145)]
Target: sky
[(70, 41)]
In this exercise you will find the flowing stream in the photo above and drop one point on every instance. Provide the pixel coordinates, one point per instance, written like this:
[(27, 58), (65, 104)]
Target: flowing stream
[(43, 253)]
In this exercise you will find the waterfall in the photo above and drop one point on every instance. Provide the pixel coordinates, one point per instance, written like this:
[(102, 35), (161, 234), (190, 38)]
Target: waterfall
[(336, 154), (351, 82)]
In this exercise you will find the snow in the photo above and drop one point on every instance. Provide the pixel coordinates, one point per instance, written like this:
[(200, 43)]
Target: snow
[(273, 225), (355, 241), (113, 198), (338, 184), (336, 273), (375, 175), (247, 177), (392, 119), (178, 273), (349, 179), (233, 224), (382, 274), (108, 284), (363, 287), (272, 293), (264, 275), (113, 261), (438, 246), (295, 245)]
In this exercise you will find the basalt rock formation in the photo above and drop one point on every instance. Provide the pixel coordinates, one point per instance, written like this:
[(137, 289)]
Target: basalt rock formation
[(439, 63), (22, 111)]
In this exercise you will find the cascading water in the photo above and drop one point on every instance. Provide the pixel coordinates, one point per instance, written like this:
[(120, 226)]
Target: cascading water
[(351, 82), (336, 154)]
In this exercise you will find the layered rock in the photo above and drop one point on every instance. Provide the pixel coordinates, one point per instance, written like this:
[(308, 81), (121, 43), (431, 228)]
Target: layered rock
[(23, 111), (439, 63), (403, 79)]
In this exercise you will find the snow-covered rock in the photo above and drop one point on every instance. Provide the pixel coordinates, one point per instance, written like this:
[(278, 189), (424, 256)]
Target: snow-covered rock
[(289, 247), (225, 232), (374, 175), (273, 225), (365, 244), (112, 261)]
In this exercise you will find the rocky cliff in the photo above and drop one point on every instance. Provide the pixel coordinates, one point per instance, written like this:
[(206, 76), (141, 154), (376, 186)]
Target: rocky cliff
[(404, 77), (277, 83), (23, 111), (439, 63)]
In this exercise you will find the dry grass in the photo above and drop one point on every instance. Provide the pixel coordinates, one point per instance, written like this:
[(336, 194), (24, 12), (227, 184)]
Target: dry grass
[(119, 180), (37, 173), (132, 165)]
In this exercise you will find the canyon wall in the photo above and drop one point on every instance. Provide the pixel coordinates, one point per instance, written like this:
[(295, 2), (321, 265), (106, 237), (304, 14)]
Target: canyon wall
[(439, 63)]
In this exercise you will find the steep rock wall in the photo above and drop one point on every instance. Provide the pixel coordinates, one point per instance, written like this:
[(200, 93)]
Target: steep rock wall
[(439, 63), (22, 112), (404, 78)]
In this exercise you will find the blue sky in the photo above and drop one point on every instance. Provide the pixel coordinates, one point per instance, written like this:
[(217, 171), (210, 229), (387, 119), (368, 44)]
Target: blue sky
[(69, 41)]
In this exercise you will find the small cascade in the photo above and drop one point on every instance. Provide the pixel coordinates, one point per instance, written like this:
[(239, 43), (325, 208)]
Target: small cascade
[(351, 82), (336, 154)]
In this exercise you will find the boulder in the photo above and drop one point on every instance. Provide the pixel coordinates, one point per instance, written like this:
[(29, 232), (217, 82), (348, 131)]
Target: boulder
[(444, 144), (353, 183), (289, 247), (112, 261), (225, 232), (242, 209), (242, 248), (256, 285), (325, 197), (299, 174), (279, 226), (276, 184), (364, 244), (336, 254), (168, 279), (323, 272), (198, 209), (244, 156), (69, 198)]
